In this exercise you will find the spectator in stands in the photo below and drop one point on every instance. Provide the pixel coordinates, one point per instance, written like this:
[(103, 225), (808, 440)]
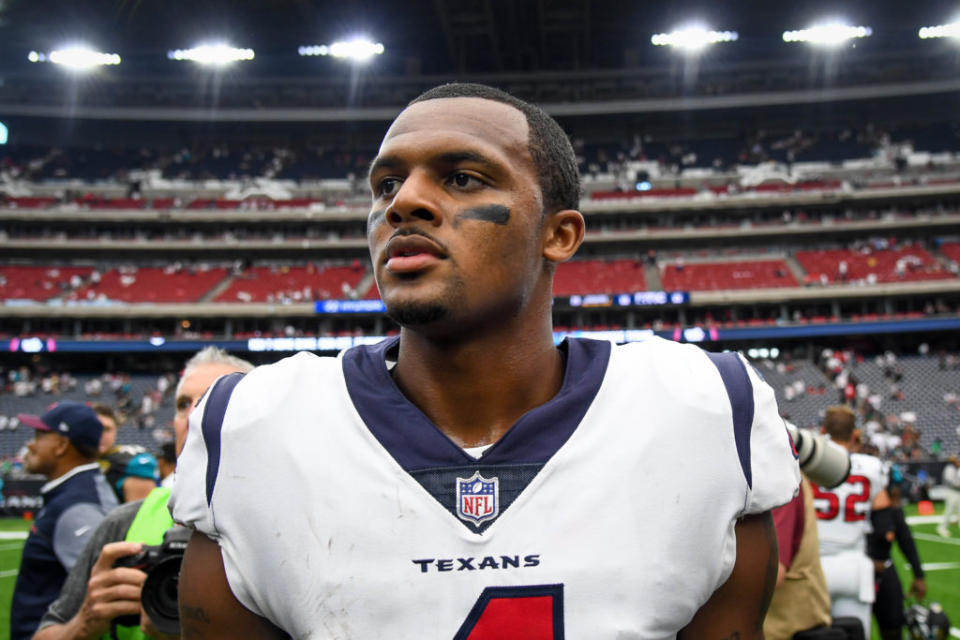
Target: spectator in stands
[(800, 601), (910, 436), (76, 498), (123, 391), (951, 486), (93, 387), (95, 593), (163, 386)]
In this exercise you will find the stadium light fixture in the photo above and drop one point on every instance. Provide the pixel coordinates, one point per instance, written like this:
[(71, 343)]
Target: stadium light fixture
[(829, 34), (4, 133), (356, 50), (951, 30), (692, 39), (77, 58), (214, 55)]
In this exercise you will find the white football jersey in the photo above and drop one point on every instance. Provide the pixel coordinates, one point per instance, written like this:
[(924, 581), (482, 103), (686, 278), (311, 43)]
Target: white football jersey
[(843, 513), (608, 512)]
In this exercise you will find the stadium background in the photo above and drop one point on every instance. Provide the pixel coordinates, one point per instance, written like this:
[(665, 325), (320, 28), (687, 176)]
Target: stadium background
[(795, 202)]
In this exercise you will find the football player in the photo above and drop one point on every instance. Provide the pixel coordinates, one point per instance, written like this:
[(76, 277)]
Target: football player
[(470, 478), (131, 470), (843, 518)]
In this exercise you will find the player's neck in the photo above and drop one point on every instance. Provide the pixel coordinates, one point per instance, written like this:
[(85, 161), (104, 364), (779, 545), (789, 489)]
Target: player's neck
[(476, 389), (65, 466)]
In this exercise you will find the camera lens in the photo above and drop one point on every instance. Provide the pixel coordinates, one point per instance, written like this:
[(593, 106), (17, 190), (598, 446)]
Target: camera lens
[(159, 595)]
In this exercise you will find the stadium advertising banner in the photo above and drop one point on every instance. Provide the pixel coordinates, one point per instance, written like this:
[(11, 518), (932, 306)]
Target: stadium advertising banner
[(636, 299), (349, 306), (32, 344), (20, 496)]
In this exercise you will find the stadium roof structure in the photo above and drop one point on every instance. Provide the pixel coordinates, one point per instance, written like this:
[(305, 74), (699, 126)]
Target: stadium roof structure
[(441, 36)]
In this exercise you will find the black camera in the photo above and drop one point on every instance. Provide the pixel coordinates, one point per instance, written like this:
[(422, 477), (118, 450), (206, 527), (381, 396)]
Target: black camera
[(158, 597)]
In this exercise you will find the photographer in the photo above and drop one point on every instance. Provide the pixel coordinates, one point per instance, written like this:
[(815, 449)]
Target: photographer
[(109, 592), (800, 602), (96, 592), (800, 608)]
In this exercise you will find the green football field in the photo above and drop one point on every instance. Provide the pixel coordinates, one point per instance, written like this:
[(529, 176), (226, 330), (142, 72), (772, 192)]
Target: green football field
[(12, 534), (941, 564), (940, 557)]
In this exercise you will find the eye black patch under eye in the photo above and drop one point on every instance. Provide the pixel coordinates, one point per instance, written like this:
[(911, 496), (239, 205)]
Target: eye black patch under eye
[(495, 213), (376, 217)]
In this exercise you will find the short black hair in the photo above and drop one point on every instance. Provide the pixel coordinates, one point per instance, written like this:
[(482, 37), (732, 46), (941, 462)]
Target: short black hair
[(90, 453), (167, 452), (549, 147)]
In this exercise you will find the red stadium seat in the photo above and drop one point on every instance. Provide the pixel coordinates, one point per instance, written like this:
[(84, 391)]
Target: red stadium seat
[(263, 284), (916, 264), (714, 276)]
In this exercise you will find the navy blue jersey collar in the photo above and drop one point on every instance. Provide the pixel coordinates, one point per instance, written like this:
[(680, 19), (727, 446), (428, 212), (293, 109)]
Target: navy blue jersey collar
[(416, 443)]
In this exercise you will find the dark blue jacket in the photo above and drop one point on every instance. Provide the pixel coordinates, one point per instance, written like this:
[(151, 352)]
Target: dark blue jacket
[(76, 504)]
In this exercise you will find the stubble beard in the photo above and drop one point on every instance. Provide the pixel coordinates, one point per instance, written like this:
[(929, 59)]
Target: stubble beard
[(418, 313)]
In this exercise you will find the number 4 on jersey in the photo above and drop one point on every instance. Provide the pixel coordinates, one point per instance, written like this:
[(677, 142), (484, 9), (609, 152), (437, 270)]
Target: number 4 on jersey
[(516, 613)]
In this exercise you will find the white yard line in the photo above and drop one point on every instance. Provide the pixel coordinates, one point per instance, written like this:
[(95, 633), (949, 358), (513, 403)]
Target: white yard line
[(935, 538), (924, 519), (13, 535), (9, 574), (940, 566), (955, 632)]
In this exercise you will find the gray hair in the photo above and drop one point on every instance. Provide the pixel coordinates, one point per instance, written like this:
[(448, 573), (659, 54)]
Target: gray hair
[(213, 355)]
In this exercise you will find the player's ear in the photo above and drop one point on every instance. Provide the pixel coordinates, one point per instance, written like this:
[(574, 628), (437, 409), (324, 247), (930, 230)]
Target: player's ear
[(562, 234), (63, 444)]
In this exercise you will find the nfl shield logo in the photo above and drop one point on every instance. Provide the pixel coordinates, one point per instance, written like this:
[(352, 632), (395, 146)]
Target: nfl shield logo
[(478, 499)]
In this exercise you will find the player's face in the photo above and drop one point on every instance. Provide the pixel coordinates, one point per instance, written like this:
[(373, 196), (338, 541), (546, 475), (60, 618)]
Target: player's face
[(43, 451), (191, 388), (109, 437), (455, 226)]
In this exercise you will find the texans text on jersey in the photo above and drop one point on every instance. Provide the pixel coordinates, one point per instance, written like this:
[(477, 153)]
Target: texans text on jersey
[(477, 564)]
